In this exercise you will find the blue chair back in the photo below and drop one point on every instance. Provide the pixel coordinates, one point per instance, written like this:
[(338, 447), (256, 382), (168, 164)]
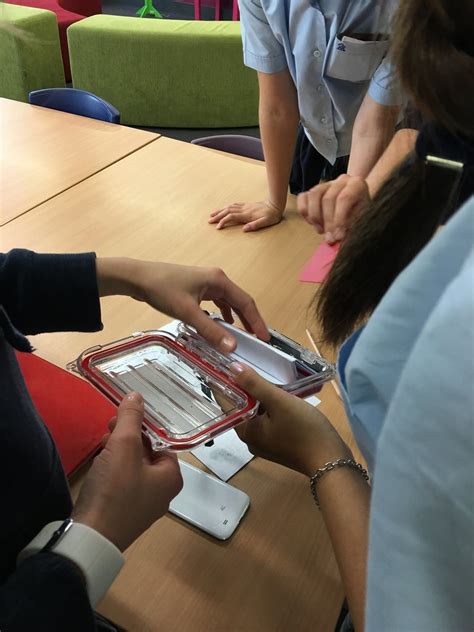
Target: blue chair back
[(241, 145), (75, 101)]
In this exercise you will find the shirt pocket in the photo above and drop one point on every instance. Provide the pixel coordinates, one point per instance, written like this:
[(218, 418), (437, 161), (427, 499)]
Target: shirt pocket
[(355, 60)]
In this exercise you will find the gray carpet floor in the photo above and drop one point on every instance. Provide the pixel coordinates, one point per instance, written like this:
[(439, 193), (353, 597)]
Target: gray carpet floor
[(174, 10)]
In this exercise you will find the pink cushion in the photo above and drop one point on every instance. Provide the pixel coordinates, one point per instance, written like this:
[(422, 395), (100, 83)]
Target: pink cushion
[(83, 7), (208, 3), (50, 5)]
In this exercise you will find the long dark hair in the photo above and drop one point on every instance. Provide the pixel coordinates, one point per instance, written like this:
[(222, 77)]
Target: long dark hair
[(432, 49)]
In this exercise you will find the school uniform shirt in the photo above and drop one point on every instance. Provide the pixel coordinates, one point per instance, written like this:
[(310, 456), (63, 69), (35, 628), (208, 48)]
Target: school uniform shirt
[(327, 49), (407, 380)]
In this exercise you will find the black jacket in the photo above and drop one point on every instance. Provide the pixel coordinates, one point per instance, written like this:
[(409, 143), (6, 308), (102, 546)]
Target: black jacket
[(38, 293)]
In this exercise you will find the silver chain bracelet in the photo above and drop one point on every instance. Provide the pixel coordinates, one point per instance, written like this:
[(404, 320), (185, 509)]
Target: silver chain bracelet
[(332, 465)]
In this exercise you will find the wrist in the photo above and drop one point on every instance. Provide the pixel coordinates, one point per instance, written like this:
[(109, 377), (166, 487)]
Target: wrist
[(345, 466), (94, 521), (277, 207), (361, 171), (95, 557), (115, 276), (319, 452)]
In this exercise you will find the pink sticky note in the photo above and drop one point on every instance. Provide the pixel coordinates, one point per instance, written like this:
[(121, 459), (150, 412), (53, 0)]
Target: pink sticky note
[(317, 268)]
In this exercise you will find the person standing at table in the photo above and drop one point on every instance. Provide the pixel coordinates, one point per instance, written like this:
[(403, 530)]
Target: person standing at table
[(58, 559), (403, 303), (321, 66)]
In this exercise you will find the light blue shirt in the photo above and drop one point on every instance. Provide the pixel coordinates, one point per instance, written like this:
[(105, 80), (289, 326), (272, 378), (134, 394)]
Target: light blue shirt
[(331, 75), (408, 385)]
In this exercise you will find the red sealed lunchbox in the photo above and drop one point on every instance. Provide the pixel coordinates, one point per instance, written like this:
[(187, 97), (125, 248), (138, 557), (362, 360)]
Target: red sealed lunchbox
[(189, 392)]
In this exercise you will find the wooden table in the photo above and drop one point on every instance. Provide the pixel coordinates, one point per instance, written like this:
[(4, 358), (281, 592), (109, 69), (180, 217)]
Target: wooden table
[(277, 573), (44, 152)]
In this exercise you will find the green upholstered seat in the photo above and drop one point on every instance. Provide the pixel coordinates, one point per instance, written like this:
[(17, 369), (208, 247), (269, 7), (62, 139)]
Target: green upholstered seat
[(30, 53), (165, 73)]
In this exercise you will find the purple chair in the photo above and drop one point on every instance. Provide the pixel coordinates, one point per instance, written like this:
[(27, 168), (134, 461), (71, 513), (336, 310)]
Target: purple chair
[(241, 145), (75, 101)]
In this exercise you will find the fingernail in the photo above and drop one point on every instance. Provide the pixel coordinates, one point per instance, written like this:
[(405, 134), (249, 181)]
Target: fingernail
[(227, 344), (339, 234), (329, 238), (236, 367), (134, 397)]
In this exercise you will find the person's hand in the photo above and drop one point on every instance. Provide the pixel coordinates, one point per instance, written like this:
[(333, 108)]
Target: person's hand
[(332, 206), (178, 290), (291, 431), (254, 215), (128, 487)]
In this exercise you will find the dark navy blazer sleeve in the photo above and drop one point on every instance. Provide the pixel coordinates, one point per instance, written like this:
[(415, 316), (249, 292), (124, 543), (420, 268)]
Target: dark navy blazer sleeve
[(45, 292), (45, 594), (38, 293)]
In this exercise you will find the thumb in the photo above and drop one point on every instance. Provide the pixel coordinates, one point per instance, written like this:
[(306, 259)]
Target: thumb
[(267, 394), (261, 222), (216, 335), (302, 204), (128, 427)]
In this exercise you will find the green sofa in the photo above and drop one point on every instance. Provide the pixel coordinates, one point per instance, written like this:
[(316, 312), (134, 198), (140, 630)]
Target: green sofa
[(165, 73), (30, 53)]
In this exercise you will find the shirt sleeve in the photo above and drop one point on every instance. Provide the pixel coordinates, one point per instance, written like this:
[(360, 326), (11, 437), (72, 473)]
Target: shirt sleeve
[(45, 593), (385, 87), (421, 562), (262, 50), (44, 293)]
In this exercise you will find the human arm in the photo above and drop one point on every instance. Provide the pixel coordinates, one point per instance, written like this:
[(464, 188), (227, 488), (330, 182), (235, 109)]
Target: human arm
[(332, 206), (43, 293), (127, 474), (375, 122), (61, 292), (401, 145), (46, 592), (125, 491), (296, 435), (373, 130), (178, 291), (279, 119)]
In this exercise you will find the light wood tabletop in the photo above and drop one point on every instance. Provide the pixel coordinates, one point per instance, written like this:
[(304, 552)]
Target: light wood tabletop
[(277, 572), (44, 152)]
